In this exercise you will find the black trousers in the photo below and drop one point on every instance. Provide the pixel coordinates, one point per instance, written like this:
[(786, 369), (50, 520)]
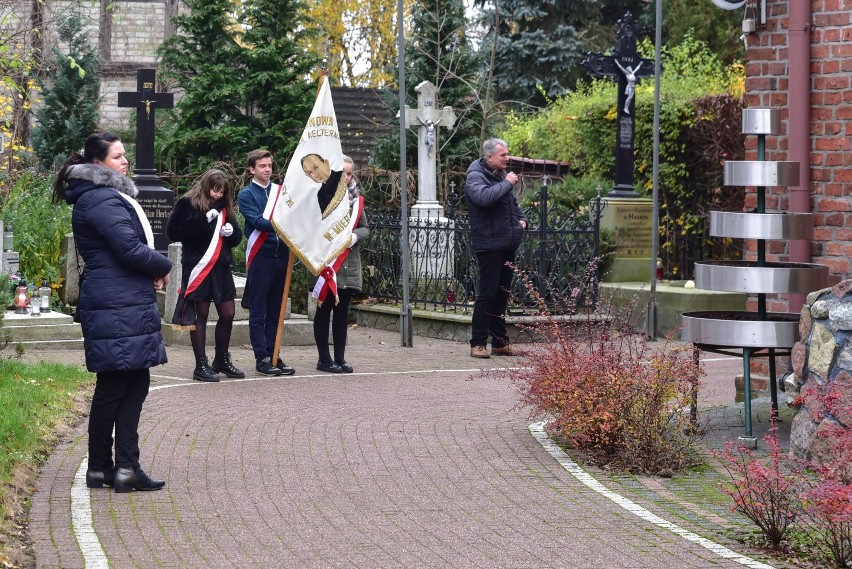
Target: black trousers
[(339, 316), (265, 289), (492, 297), (117, 403)]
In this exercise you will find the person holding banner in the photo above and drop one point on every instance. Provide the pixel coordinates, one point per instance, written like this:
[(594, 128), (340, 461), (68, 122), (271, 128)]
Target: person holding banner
[(266, 264), (203, 221), (349, 281)]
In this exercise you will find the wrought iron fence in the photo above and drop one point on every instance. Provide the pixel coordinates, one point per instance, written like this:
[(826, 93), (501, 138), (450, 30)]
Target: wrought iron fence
[(557, 250)]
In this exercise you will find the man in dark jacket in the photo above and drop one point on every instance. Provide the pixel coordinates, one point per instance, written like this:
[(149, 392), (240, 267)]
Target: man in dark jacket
[(496, 226), (266, 266)]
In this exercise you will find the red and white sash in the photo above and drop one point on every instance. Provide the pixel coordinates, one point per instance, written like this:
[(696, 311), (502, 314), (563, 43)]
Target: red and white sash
[(257, 237), (327, 279), (208, 260), (185, 315)]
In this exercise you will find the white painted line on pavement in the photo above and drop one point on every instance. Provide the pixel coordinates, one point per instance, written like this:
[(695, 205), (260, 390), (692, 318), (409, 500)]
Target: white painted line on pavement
[(537, 431), (184, 381), (81, 521), (81, 504)]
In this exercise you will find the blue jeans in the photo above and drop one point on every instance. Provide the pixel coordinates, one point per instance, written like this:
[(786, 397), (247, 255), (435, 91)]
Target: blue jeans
[(492, 297)]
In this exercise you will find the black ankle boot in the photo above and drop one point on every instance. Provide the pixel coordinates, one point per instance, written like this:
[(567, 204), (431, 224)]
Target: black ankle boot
[(128, 479), (100, 478), (222, 364), (203, 371)]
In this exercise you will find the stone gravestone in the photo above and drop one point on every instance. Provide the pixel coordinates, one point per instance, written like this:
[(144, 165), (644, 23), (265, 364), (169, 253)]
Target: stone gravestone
[(156, 201), (9, 259), (626, 215), (430, 233)]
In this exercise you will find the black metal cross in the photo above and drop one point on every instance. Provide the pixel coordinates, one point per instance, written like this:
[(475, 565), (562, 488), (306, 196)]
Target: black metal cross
[(629, 68), (155, 200), (146, 101)]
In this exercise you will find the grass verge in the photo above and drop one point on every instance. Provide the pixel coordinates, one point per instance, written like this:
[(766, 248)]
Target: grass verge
[(38, 404)]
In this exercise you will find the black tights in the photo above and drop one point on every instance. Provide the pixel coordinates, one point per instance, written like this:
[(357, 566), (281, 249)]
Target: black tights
[(339, 324), (223, 327)]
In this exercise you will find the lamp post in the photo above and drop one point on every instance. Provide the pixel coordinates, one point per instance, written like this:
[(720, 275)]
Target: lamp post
[(651, 310)]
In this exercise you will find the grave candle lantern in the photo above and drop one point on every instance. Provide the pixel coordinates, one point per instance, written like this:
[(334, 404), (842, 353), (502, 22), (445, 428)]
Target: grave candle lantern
[(35, 304), (44, 294), (22, 297)]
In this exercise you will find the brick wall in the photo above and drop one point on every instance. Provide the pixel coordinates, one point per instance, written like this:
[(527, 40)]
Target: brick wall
[(767, 63), (127, 34)]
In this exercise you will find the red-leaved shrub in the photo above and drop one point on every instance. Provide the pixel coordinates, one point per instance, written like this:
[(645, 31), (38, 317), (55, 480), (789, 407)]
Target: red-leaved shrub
[(827, 502), (763, 490), (609, 394)]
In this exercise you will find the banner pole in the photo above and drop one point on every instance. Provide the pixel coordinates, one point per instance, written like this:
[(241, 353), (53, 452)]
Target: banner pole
[(283, 311)]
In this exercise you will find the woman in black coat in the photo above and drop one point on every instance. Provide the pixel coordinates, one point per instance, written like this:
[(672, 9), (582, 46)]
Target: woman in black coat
[(117, 307), (203, 221)]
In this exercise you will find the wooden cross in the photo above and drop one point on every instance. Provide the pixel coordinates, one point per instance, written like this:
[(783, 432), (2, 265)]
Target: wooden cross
[(626, 65), (146, 101)]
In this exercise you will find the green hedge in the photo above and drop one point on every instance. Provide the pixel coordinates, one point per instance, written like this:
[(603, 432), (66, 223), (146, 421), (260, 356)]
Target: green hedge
[(698, 103)]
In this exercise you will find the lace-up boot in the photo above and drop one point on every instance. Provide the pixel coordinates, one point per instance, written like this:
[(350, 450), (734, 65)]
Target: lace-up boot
[(203, 371), (222, 364)]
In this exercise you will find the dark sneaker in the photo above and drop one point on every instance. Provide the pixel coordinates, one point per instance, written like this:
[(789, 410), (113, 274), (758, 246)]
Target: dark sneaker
[(285, 369), (267, 368)]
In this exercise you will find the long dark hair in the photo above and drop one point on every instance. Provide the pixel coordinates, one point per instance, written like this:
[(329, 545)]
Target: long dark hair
[(95, 148), (199, 193)]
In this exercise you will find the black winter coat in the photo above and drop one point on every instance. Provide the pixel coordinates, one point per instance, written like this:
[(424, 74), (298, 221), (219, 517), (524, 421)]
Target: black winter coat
[(118, 304), (493, 212), (190, 226)]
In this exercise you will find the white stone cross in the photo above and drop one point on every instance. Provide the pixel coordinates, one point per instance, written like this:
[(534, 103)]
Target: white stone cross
[(428, 118)]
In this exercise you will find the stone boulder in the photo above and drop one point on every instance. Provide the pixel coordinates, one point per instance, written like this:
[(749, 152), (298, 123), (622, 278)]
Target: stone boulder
[(822, 363)]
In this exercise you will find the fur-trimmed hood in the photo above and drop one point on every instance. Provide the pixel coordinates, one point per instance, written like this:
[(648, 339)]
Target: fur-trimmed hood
[(100, 177)]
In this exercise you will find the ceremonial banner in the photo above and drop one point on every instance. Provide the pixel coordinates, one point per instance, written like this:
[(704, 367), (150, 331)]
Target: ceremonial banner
[(311, 211)]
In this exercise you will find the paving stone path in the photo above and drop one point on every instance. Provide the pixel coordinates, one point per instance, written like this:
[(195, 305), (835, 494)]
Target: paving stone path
[(415, 460)]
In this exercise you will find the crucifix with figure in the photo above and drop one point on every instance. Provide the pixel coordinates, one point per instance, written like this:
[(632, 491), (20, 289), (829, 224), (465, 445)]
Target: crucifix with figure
[(428, 118), (146, 101), (155, 200), (628, 67)]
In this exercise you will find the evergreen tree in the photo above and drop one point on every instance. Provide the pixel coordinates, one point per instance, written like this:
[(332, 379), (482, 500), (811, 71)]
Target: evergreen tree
[(69, 111), (703, 21), (439, 51), (245, 81), (540, 45), (281, 84), (205, 64)]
